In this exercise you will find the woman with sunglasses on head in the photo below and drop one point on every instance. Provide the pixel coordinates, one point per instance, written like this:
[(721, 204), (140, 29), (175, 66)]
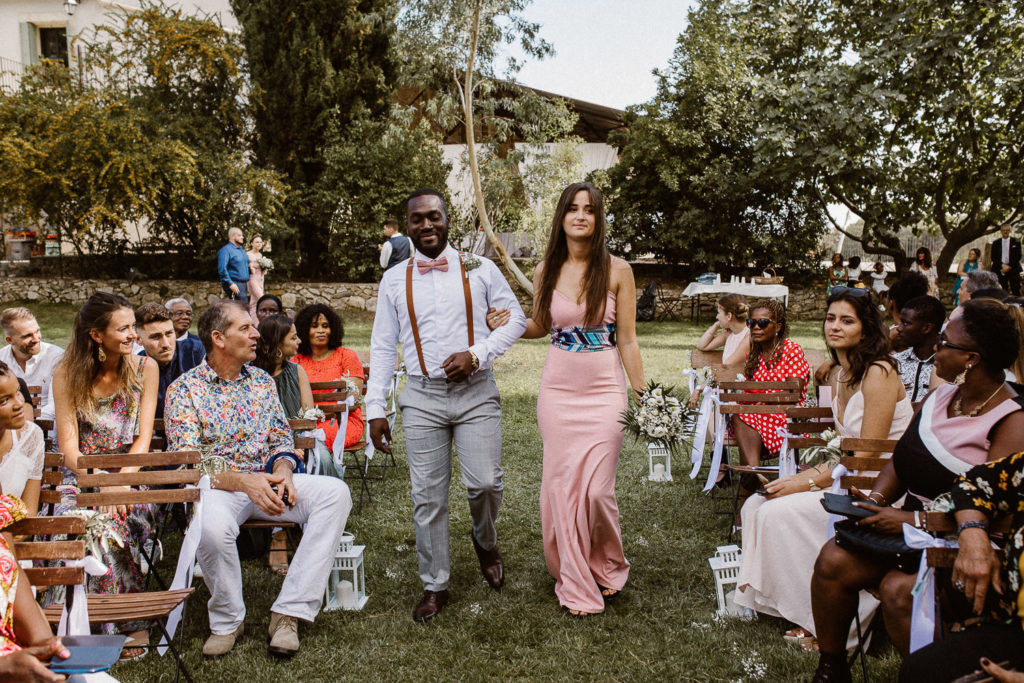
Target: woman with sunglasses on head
[(773, 357), (976, 418), (783, 531)]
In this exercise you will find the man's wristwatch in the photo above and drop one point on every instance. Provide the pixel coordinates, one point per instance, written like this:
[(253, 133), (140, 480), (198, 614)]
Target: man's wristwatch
[(475, 360), (811, 486)]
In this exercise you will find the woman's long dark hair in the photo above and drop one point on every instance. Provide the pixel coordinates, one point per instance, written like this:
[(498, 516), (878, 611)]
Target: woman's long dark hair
[(304, 320), (599, 264), (273, 330), (927, 256), (778, 312), (874, 343)]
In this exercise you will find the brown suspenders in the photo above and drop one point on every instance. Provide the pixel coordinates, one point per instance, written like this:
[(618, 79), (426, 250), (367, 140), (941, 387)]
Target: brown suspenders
[(412, 310)]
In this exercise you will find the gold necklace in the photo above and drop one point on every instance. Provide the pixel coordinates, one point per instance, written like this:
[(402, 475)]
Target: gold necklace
[(958, 403)]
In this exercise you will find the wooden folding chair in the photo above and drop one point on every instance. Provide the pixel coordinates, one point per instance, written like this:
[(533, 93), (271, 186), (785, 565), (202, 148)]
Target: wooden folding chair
[(35, 393), (671, 306), (331, 402)]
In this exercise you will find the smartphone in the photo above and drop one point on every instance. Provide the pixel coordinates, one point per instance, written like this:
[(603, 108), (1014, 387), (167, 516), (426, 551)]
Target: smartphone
[(844, 505)]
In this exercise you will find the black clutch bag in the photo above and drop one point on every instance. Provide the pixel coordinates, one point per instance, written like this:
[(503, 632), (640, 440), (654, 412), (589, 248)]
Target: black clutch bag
[(889, 548)]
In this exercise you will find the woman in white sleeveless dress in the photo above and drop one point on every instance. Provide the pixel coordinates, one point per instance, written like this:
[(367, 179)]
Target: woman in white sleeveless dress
[(784, 530)]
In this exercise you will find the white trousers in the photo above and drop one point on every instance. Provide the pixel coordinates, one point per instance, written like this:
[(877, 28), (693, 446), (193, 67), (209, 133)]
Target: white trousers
[(323, 506)]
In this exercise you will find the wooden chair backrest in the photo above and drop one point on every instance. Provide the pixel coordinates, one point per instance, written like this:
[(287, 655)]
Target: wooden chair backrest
[(751, 401), (35, 392), (53, 476), (93, 476), (700, 359), (868, 467), (945, 523), (299, 425), (38, 549)]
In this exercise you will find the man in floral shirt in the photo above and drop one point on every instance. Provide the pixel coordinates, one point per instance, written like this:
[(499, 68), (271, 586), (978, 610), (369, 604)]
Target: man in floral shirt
[(230, 410)]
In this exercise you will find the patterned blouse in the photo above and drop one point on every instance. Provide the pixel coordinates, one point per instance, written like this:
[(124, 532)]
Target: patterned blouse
[(11, 510), (997, 488), (114, 426), (241, 419)]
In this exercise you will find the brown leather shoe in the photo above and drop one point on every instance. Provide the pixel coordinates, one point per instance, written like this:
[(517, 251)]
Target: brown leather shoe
[(430, 605), (491, 565)]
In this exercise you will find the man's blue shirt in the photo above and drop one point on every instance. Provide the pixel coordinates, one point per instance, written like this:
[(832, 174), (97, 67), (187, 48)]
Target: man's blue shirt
[(188, 353), (232, 264)]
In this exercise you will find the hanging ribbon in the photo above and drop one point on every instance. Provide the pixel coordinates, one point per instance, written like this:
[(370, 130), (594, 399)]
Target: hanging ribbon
[(313, 467), (339, 440), (787, 458), (838, 472), (186, 559), (923, 616), (77, 622), (716, 455), (708, 401), (691, 379)]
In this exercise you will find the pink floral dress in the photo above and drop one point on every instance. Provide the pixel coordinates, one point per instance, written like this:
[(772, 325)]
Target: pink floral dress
[(11, 510)]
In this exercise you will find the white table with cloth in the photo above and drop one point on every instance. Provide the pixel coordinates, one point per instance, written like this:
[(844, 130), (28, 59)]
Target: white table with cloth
[(747, 289)]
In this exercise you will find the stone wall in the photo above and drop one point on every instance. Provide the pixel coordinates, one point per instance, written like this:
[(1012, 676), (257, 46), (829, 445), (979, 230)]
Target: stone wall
[(343, 296)]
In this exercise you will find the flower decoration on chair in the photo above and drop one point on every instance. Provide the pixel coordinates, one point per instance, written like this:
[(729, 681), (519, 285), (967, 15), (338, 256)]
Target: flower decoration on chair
[(313, 413), (99, 531), (660, 418), (210, 464), (266, 265), (830, 453), (706, 377)]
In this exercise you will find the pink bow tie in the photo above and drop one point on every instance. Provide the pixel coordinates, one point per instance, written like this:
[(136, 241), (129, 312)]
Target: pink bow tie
[(427, 266)]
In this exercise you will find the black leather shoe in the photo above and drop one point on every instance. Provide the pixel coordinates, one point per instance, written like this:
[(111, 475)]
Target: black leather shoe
[(491, 565), (832, 669), (430, 605)]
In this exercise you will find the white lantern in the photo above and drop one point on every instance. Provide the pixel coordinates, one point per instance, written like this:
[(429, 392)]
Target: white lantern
[(725, 565), (346, 586), (659, 463)]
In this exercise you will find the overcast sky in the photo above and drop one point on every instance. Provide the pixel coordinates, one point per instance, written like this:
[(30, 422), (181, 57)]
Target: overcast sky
[(605, 49)]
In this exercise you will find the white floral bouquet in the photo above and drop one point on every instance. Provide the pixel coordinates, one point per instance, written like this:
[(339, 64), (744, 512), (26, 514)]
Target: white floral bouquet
[(313, 413), (99, 531), (659, 417), (829, 453), (266, 265), (706, 377)]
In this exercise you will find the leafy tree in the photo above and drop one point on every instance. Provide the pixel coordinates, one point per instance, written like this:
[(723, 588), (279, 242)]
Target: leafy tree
[(689, 186), (318, 66), (910, 114)]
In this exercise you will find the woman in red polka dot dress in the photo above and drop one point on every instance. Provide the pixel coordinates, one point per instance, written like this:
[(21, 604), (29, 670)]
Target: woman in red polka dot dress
[(773, 358)]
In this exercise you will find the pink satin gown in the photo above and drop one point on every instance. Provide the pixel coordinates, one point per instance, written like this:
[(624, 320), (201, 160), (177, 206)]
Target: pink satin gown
[(582, 395)]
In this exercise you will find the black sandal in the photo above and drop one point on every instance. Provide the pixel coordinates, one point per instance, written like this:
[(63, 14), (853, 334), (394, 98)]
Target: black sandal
[(612, 595)]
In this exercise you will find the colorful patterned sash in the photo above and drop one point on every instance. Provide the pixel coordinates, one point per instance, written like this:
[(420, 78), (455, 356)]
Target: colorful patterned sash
[(582, 339)]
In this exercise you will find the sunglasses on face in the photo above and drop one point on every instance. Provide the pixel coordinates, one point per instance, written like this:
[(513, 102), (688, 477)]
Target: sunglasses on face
[(852, 291), (945, 344), (759, 322)]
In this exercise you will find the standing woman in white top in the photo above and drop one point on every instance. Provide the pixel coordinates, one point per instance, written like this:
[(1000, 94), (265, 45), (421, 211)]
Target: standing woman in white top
[(729, 331), (21, 445), (923, 264), (784, 530)]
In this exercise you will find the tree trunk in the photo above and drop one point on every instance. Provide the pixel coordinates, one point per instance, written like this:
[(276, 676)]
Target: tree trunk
[(474, 169)]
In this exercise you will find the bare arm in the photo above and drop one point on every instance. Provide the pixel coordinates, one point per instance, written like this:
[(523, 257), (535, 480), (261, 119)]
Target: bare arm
[(533, 330), (305, 392), (147, 411), (66, 420), (1006, 439), (713, 338), (625, 323), (739, 354)]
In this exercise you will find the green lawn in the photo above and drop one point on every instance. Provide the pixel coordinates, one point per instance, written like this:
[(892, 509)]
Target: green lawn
[(663, 628)]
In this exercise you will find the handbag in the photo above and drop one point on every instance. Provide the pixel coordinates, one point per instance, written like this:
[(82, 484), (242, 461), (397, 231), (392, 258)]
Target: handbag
[(890, 548)]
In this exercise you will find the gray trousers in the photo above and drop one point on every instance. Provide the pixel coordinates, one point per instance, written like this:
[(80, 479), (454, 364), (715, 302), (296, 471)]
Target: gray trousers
[(323, 506), (434, 413)]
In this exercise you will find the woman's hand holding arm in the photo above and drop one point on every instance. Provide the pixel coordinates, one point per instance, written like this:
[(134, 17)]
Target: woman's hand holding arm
[(976, 564)]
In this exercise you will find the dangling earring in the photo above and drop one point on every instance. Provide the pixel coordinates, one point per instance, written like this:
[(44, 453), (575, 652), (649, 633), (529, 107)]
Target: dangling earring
[(100, 353), (962, 377)]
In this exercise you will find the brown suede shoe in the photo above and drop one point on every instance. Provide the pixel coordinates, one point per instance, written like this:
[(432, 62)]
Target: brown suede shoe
[(430, 605), (491, 565)]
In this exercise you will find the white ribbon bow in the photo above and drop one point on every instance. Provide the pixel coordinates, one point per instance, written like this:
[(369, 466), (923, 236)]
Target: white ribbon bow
[(339, 439), (787, 458), (923, 616), (186, 560), (314, 453), (708, 401), (716, 454), (77, 622)]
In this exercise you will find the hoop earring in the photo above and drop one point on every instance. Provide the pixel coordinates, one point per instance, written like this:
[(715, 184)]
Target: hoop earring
[(101, 355), (962, 377)]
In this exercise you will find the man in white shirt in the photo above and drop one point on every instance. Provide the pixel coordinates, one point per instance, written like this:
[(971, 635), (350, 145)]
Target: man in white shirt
[(26, 353), (397, 248), (436, 306)]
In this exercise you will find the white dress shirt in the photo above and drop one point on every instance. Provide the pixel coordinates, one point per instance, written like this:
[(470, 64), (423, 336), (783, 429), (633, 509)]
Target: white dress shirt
[(440, 307), (38, 368), (1006, 250)]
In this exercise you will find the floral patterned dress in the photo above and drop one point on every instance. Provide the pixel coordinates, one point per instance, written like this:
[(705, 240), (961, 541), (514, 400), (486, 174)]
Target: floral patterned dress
[(112, 430), (11, 510)]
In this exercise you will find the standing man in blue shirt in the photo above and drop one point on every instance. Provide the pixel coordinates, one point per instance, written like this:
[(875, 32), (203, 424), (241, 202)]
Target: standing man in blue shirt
[(233, 267)]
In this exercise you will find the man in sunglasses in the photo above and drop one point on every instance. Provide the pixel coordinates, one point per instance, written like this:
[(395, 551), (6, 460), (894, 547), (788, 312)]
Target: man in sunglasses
[(920, 323)]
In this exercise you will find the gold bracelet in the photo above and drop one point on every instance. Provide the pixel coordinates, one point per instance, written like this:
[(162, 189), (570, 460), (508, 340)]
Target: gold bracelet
[(878, 502)]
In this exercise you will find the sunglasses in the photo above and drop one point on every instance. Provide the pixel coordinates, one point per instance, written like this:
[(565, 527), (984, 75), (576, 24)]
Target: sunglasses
[(759, 322), (852, 291), (944, 344)]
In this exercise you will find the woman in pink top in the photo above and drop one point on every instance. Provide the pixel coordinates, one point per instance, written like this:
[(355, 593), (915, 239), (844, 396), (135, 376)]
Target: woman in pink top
[(978, 417)]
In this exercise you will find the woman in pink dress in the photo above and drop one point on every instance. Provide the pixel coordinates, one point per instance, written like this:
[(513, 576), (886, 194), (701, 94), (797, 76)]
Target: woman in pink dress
[(586, 300), (255, 273)]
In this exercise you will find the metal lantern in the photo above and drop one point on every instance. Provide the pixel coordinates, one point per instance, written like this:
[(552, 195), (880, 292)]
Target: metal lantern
[(346, 586), (659, 462), (725, 565)]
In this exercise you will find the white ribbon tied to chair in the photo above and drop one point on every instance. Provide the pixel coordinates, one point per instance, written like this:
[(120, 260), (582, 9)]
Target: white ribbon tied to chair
[(708, 401), (77, 622), (787, 458), (318, 435), (923, 617), (838, 472), (339, 439), (186, 560), (716, 454)]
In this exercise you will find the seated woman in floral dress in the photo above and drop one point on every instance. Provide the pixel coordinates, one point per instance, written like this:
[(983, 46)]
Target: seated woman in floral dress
[(105, 400), (324, 359)]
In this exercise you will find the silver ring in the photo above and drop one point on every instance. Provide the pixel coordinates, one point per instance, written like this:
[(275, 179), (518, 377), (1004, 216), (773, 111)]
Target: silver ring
[(959, 585)]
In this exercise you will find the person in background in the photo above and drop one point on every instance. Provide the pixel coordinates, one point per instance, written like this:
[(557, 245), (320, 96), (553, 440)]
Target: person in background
[(1006, 260), (729, 331), (983, 281), (324, 359), (233, 267), (837, 275), (923, 265), (21, 445), (26, 354), (255, 273), (878, 276), (397, 248), (853, 272), (918, 334), (910, 286), (968, 265), (268, 305), (1015, 373), (181, 315), (159, 342)]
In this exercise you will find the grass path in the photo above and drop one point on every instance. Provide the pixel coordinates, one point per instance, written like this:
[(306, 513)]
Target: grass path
[(662, 628)]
